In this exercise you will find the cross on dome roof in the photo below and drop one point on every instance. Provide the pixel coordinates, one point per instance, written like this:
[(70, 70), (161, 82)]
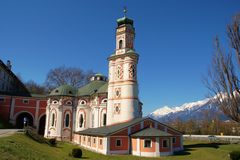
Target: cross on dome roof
[(125, 11), (124, 19)]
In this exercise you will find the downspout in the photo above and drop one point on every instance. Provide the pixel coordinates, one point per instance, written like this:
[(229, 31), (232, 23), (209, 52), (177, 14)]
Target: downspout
[(139, 146), (48, 119), (72, 122), (62, 120)]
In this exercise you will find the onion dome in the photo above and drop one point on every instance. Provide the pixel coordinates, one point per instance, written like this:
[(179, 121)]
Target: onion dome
[(124, 20)]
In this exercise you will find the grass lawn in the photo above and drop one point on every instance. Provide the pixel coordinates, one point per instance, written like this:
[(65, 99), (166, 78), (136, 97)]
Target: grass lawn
[(19, 146)]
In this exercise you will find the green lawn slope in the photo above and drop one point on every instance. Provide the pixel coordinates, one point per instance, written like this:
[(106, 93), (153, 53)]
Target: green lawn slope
[(19, 146)]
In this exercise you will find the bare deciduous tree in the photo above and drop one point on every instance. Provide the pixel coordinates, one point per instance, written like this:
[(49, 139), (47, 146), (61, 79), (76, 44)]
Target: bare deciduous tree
[(223, 80), (33, 87), (67, 75), (234, 35)]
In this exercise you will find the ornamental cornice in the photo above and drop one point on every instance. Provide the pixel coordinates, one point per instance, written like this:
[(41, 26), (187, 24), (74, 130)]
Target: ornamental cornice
[(133, 55)]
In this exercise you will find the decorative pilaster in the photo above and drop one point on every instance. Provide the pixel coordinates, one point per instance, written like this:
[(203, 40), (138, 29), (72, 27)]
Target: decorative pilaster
[(12, 121), (157, 145), (36, 115)]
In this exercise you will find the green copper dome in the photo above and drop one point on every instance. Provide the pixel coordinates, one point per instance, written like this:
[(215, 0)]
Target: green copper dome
[(93, 87), (64, 90), (98, 84), (124, 20)]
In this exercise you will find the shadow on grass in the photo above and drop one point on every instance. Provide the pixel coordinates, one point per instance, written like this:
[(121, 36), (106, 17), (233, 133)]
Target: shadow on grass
[(181, 153), (204, 145), (192, 147), (79, 158), (57, 146)]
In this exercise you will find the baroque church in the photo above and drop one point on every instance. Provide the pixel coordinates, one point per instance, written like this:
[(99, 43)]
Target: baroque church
[(105, 115)]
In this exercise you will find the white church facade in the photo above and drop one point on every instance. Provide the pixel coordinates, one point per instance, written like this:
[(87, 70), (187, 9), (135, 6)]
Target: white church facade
[(106, 114)]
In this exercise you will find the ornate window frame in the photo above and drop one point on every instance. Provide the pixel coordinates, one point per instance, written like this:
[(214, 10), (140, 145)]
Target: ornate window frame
[(119, 72), (55, 102), (118, 92), (81, 124), (132, 71), (69, 103), (117, 108), (69, 119), (120, 44), (104, 100), (53, 118)]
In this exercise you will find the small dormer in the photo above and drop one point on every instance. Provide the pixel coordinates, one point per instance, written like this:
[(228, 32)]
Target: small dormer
[(98, 77)]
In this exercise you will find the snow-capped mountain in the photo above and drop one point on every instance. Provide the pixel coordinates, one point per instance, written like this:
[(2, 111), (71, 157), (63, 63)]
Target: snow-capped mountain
[(194, 110)]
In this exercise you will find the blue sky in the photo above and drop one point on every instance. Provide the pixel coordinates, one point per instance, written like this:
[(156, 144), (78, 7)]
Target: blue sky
[(174, 39)]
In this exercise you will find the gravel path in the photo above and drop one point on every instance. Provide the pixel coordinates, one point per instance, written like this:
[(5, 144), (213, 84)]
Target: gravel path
[(8, 132)]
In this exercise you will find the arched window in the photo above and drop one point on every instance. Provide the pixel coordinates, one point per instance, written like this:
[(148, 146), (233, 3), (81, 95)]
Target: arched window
[(55, 102), (67, 120), (104, 100), (53, 119), (104, 119), (119, 72), (120, 44), (81, 121), (69, 103)]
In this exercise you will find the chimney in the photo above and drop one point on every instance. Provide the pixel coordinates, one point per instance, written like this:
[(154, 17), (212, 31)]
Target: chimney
[(9, 65)]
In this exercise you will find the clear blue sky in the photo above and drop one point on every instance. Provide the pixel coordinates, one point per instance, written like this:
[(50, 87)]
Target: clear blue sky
[(174, 39)]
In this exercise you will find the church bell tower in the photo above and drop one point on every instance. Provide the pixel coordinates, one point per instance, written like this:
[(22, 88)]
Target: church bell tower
[(123, 103)]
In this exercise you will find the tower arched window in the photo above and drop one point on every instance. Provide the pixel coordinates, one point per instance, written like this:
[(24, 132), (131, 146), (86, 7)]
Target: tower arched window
[(53, 120), (119, 72), (132, 71), (67, 120), (81, 121), (120, 44)]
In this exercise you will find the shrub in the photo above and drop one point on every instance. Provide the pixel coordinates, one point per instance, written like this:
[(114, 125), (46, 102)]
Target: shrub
[(52, 142), (31, 132), (235, 155), (76, 152), (5, 124)]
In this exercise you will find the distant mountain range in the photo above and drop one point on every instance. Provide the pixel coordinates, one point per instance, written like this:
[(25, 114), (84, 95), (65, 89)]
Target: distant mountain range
[(199, 110)]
